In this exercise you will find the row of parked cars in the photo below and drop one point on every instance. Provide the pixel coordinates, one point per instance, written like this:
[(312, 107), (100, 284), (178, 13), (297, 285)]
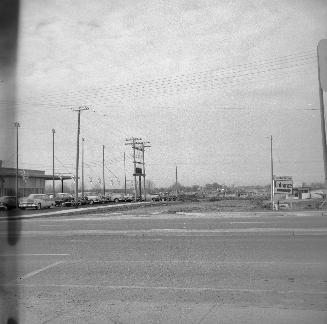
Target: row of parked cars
[(67, 200), (39, 201), (164, 196)]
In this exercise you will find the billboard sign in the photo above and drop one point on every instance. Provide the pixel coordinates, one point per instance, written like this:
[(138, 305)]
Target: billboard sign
[(283, 184)]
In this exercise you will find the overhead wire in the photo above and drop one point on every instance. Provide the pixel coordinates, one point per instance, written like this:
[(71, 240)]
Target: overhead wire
[(127, 88)]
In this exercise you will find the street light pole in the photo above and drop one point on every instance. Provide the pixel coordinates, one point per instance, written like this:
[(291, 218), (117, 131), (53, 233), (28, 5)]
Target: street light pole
[(79, 109), (125, 172), (17, 125), (272, 174), (53, 180)]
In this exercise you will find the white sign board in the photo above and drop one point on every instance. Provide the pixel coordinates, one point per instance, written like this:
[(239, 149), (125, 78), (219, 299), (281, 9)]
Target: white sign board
[(322, 63), (283, 184)]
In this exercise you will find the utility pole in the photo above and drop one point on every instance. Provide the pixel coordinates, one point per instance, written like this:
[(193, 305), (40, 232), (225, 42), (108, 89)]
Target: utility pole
[(103, 180), (83, 140), (322, 80), (53, 180), (143, 151), (125, 171), (79, 109), (176, 182), (132, 141), (134, 162), (17, 125), (272, 173)]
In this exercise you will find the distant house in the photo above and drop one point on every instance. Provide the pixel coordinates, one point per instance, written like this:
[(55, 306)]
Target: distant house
[(302, 193)]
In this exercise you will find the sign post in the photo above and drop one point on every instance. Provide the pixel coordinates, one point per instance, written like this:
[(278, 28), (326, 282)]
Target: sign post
[(322, 78)]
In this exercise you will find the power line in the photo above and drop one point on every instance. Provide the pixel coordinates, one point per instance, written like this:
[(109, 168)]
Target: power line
[(196, 76)]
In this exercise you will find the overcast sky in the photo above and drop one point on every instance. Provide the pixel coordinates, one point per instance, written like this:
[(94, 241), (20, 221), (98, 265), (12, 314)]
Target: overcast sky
[(206, 82)]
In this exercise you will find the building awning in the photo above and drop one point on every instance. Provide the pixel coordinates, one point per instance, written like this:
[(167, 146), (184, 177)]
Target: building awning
[(11, 172)]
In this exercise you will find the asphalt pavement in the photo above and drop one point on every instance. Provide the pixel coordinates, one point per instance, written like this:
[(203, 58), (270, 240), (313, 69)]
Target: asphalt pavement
[(152, 266)]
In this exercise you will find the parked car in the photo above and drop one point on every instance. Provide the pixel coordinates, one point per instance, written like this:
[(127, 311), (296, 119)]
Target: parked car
[(155, 197), (7, 202), (103, 199), (83, 200), (64, 200), (166, 196), (94, 198), (128, 197), (36, 201), (139, 198), (115, 197)]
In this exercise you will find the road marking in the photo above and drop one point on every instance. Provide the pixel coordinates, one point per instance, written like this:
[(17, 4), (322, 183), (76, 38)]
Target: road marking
[(33, 273), (73, 211), (178, 215), (79, 240), (200, 289), (201, 262), (56, 225), (33, 254), (181, 232), (263, 222)]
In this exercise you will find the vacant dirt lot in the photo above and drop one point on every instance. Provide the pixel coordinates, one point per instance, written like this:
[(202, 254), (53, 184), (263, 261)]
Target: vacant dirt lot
[(218, 206), (202, 206)]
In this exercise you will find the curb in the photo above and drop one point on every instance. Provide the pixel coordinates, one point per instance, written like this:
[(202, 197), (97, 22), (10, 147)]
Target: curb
[(12, 215)]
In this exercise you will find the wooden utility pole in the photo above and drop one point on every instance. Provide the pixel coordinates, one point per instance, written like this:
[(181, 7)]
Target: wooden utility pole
[(17, 125), (321, 57), (134, 162), (103, 180), (132, 141), (176, 182), (83, 140), (322, 79), (53, 180), (143, 163), (79, 109), (125, 173), (272, 174)]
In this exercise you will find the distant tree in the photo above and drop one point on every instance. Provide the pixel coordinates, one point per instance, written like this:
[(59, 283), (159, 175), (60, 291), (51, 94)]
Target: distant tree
[(208, 186), (195, 187), (175, 186), (149, 185), (216, 186)]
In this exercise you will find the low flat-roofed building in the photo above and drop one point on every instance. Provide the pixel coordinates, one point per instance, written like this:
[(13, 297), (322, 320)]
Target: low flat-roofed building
[(302, 192), (29, 181)]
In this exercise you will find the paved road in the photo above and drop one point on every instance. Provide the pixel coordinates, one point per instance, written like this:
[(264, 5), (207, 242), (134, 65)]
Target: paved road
[(148, 266)]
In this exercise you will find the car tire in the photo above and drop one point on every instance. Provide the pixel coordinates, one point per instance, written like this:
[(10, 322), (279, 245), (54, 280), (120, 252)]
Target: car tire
[(116, 200)]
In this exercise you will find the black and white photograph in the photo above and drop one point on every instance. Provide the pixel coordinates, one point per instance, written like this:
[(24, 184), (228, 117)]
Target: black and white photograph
[(163, 161)]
